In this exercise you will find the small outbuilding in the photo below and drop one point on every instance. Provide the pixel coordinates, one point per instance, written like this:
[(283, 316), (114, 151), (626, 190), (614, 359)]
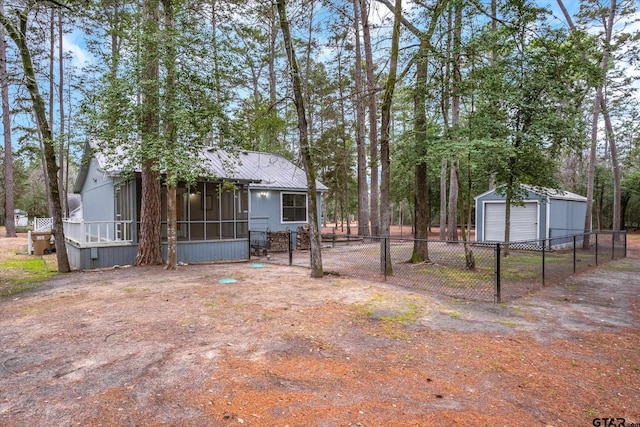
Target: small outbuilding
[(544, 213), (20, 218)]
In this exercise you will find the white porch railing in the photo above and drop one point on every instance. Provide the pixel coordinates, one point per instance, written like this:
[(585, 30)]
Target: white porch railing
[(42, 224), (97, 233)]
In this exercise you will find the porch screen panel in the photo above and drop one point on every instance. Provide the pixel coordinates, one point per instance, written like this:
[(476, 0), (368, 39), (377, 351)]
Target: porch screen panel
[(212, 204), (197, 203), (228, 230), (196, 231), (242, 203), (227, 205), (213, 230)]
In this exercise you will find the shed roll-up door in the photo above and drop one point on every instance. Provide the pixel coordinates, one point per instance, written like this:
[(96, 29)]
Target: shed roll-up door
[(524, 221)]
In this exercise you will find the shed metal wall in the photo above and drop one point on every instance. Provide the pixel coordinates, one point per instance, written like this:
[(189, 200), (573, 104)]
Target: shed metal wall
[(566, 217)]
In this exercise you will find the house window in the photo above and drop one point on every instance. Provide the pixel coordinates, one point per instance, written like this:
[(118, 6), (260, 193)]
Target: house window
[(294, 207)]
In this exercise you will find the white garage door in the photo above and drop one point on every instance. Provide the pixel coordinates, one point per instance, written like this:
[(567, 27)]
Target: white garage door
[(524, 221)]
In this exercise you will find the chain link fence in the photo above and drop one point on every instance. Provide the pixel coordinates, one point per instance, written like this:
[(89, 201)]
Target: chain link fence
[(481, 271)]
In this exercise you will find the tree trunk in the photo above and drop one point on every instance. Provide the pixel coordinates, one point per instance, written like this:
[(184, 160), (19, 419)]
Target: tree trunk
[(455, 120), (149, 248), (385, 218), (465, 216), (452, 214), (615, 165), (421, 233), (314, 233), (171, 137), (363, 186), (172, 226), (18, 35), (61, 148), (273, 36), (10, 220), (373, 119), (443, 200)]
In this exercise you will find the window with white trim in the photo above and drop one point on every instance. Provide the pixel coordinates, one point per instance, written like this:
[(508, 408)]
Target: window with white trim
[(294, 207)]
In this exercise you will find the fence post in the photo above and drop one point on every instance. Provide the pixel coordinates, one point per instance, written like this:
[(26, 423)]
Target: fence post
[(574, 253), (625, 243), (290, 248), (249, 236), (596, 249), (613, 246), (385, 258), (544, 259), (498, 272)]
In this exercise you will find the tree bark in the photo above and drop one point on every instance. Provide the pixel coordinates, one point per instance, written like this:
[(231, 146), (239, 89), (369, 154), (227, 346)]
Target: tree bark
[(615, 166), (452, 214), (171, 137), (443, 200), (421, 232), (61, 148), (149, 247), (314, 233), (9, 221), (363, 186), (18, 35), (373, 120), (452, 221), (385, 213)]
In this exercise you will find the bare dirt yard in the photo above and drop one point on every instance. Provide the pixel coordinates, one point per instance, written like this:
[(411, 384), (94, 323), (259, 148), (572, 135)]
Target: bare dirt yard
[(144, 346)]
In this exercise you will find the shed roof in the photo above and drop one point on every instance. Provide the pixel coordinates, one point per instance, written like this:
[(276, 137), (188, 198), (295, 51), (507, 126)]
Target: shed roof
[(261, 170), (552, 193)]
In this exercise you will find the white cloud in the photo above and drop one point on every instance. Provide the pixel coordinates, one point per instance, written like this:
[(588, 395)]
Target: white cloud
[(74, 43)]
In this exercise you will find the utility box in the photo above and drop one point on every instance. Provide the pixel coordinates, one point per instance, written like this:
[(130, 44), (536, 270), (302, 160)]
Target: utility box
[(41, 242)]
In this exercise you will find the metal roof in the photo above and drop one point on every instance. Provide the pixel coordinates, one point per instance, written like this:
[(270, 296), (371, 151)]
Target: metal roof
[(546, 192), (261, 170), (265, 170)]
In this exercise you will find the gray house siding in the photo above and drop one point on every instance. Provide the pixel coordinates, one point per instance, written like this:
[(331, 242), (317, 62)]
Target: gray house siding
[(203, 251), (266, 210), (188, 252), (97, 188), (107, 256)]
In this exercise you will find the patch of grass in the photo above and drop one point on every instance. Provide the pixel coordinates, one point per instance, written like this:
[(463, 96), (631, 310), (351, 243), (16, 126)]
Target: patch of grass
[(621, 266), (509, 323), (405, 316), (453, 314), (21, 273)]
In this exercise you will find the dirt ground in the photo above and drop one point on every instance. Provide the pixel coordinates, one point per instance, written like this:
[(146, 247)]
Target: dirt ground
[(144, 346)]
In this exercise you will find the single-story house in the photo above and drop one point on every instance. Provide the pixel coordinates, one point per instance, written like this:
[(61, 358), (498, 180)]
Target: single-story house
[(251, 191), (544, 213)]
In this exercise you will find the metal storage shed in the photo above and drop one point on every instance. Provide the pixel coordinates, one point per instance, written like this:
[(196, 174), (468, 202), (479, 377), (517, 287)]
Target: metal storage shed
[(545, 213)]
